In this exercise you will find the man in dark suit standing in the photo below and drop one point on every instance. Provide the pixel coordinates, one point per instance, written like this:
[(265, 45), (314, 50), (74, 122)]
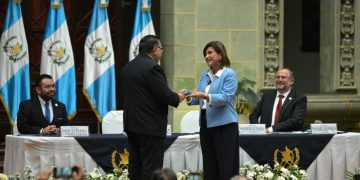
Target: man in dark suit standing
[(283, 109), (42, 114), (146, 98)]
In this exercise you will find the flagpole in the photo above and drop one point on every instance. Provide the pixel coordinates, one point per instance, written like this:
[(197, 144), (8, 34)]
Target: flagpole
[(98, 127)]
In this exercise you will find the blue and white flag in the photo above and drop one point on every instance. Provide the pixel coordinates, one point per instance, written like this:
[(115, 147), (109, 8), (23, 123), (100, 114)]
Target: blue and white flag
[(57, 57), (143, 26), (99, 73), (14, 61)]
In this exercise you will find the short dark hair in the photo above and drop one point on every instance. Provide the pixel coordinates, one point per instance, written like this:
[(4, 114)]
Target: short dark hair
[(220, 49), (40, 78), (164, 174), (147, 43)]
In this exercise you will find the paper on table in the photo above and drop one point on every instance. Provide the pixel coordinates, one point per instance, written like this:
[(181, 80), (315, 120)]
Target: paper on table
[(190, 136)]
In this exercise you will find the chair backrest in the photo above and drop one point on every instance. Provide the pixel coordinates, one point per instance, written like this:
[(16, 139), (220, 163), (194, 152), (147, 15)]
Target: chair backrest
[(190, 122), (113, 123)]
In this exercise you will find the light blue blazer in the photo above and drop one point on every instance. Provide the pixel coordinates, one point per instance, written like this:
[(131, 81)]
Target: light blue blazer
[(221, 109)]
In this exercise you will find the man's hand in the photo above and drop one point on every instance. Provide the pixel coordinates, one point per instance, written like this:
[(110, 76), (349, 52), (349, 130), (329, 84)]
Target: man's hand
[(181, 96), (267, 130), (50, 130)]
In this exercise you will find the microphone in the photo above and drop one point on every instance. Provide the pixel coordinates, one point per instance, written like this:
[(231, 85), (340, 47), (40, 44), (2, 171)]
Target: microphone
[(209, 82)]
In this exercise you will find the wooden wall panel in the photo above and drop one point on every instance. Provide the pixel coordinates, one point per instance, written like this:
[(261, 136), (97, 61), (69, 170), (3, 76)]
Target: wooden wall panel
[(78, 14)]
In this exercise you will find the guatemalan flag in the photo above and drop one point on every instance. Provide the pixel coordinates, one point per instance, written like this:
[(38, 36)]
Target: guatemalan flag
[(99, 72), (57, 57), (14, 61), (143, 26)]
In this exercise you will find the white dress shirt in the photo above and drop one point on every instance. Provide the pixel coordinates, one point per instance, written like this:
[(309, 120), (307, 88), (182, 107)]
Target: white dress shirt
[(42, 102), (274, 107)]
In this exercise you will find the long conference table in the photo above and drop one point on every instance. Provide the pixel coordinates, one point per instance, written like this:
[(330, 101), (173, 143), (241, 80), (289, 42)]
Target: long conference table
[(325, 157)]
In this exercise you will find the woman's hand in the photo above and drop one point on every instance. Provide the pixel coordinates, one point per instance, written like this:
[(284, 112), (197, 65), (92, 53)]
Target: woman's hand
[(187, 94), (200, 95)]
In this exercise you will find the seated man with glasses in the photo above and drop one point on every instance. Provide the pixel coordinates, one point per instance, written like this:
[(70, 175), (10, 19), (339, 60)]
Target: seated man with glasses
[(283, 109)]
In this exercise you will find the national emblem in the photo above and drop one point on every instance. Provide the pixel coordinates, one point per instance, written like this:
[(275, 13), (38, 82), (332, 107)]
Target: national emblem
[(287, 157)]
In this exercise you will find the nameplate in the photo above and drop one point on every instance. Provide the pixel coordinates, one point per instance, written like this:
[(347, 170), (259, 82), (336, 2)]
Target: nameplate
[(252, 129), (323, 128), (168, 130), (67, 131)]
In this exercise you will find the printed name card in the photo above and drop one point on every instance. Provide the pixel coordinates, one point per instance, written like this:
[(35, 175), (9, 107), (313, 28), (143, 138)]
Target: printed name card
[(252, 129), (168, 130), (323, 128), (67, 131)]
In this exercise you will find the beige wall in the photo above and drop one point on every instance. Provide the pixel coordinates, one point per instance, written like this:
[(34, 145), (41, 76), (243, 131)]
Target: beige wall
[(187, 25)]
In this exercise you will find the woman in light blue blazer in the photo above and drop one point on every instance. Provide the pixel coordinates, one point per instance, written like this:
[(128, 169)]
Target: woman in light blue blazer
[(218, 118)]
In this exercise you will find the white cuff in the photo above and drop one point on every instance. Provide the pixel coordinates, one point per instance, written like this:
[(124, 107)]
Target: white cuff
[(188, 101), (270, 129), (209, 102)]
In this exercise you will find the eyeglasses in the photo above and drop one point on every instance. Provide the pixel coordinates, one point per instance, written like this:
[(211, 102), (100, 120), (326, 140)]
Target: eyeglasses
[(160, 47)]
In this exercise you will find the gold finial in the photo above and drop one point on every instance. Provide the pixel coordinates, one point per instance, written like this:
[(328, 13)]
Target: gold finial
[(145, 6), (104, 4), (56, 4)]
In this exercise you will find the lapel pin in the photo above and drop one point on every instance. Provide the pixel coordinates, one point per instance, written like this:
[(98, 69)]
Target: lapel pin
[(56, 104), (290, 98)]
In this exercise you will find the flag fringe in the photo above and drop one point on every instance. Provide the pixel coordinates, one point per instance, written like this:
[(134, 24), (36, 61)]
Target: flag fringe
[(91, 105), (7, 110)]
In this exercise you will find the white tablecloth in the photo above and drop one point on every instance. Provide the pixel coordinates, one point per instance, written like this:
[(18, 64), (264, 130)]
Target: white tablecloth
[(341, 154), (41, 153)]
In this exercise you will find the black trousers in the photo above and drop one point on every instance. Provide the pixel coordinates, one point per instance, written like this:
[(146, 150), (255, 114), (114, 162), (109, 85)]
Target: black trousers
[(220, 150), (146, 154)]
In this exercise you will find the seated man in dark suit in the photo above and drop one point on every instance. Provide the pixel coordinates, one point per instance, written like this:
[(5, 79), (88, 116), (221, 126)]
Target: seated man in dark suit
[(42, 114), (282, 109)]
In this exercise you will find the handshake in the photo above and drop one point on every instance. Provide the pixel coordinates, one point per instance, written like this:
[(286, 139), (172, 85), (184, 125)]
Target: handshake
[(184, 94), (188, 95)]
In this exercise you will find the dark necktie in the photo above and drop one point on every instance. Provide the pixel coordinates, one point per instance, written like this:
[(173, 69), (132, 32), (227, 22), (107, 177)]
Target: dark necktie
[(47, 111), (278, 109)]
